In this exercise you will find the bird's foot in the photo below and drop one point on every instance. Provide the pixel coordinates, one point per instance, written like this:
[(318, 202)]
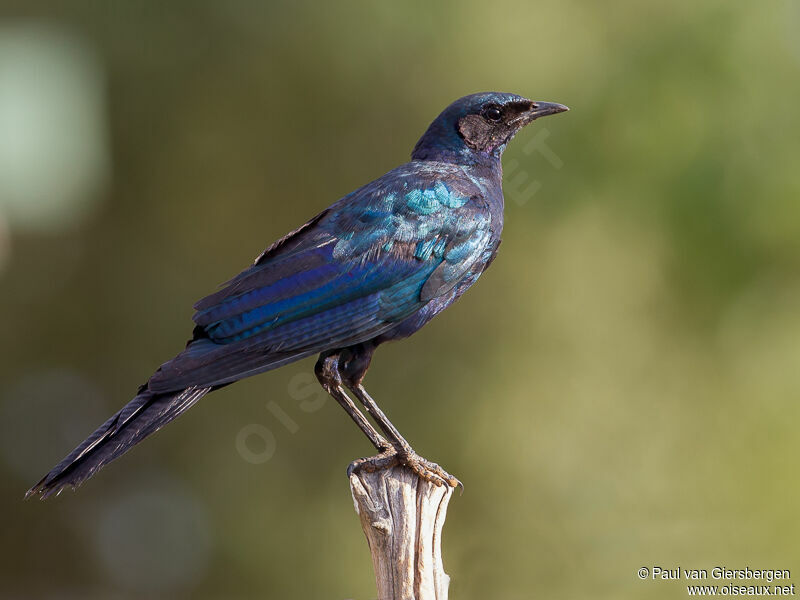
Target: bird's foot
[(427, 470), (385, 460), (423, 468)]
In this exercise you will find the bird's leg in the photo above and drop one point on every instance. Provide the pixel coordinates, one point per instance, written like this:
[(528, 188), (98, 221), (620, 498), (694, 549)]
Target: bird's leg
[(327, 371), (426, 469), (354, 364)]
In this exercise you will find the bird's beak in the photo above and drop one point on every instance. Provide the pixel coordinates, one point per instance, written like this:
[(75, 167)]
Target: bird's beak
[(542, 109)]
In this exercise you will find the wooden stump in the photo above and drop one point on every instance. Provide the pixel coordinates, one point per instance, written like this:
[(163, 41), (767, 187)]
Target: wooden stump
[(402, 517)]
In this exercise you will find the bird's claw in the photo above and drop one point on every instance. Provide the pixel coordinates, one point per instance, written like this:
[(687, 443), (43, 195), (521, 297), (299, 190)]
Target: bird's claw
[(385, 460), (429, 471), (423, 468)]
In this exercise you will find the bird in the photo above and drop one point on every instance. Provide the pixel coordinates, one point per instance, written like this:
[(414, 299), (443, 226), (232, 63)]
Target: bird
[(376, 266)]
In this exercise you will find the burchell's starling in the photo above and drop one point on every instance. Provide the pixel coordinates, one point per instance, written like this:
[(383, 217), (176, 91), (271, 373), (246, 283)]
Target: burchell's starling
[(375, 266)]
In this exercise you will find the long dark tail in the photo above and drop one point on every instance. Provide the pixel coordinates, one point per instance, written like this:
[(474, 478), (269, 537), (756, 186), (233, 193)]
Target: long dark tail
[(143, 415)]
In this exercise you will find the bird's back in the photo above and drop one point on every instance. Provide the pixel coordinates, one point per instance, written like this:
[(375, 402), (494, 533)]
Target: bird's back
[(355, 271)]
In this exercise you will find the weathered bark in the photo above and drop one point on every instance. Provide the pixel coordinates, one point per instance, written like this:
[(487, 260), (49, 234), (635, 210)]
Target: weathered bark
[(402, 517)]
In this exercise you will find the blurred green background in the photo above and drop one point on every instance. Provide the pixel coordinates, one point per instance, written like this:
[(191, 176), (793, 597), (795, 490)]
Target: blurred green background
[(619, 390)]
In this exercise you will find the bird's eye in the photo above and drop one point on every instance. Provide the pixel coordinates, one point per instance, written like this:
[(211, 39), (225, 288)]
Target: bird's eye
[(493, 114)]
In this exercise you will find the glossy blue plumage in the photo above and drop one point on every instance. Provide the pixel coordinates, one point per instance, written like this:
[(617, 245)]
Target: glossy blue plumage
[(355, 272)]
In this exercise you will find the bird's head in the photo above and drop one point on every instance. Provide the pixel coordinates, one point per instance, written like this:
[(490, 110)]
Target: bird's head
[(479, 125)]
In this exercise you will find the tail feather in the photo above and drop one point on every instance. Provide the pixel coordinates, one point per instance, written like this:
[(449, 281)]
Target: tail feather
[(143, 415)]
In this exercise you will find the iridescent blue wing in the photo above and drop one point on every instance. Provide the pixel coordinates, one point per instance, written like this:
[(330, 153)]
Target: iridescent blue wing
[(348, 275)]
